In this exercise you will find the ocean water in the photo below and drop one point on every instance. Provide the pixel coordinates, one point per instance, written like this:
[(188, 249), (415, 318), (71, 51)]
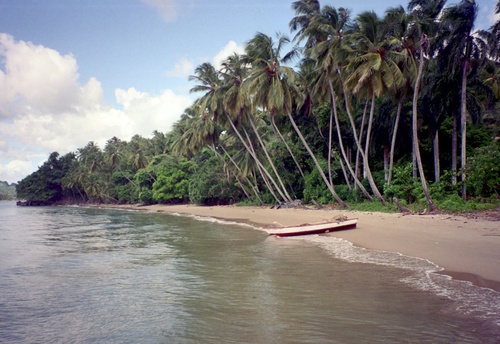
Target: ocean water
[(76, 275)]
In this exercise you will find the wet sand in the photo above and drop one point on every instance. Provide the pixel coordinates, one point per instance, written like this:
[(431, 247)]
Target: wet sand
[(467, 248)]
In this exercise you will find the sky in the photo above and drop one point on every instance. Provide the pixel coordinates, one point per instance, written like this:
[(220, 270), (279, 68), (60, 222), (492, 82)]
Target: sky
[(88, 70)]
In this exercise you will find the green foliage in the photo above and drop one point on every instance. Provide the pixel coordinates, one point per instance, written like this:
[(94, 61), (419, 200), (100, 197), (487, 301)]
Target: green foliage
[(148, 170), (7, 192), (454, 203), (483, 171), (403, 186), (346, 194), (127, 193), (315, 187), (172, 185), (146, 196), (444, 187), (44, 185), (210, 185)]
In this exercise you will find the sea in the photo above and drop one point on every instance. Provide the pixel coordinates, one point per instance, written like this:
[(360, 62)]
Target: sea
[(89, 275)]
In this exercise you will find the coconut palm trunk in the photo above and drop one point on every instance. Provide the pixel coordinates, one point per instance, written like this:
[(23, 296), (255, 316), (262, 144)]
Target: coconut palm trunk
[(283, 188), (261, 167), (278, 132), (416, 148), (393, 140), (252, 186), (361, 130), (318, 166), (341, 144), (463, 127), (363, 156)]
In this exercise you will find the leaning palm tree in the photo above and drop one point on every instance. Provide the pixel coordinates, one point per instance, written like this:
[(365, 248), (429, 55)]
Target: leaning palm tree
[(328, 56), (211, 105), (272, 85), (373, 70), (234, 71)]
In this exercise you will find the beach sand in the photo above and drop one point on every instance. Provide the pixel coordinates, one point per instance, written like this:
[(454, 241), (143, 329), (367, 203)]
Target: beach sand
[(468, 248)]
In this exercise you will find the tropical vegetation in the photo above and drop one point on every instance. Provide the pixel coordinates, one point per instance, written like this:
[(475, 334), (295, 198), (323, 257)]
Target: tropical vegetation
[(7, 191), (402, 107)]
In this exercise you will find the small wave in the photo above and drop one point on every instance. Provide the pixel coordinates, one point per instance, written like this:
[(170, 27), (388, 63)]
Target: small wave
[(468, 299), (215, 220)]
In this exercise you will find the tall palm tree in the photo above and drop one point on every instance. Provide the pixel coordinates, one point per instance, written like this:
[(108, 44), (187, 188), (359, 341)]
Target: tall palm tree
[(462, 47), (273, 86), (423, 22), (305, 10), (234, 71), (396, 26), (330, 24), (374, 70)]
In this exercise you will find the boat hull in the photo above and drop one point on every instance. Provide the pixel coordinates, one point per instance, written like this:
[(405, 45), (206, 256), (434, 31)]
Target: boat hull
[(319, 228)]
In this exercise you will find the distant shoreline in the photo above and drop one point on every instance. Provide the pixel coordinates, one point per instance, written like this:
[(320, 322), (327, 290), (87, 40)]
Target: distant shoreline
[(467, 248)]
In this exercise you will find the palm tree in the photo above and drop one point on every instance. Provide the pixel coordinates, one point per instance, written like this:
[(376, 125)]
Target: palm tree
[(374, 70), (396, 27), (305, 11), (461, 48), (424, 14), (212, 104), (273, 86), (328, 56), (113, 152), (137, 149), (234, 71), (493, 36)]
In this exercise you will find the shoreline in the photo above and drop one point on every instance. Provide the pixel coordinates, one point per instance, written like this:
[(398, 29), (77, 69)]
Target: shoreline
[(467, 248)]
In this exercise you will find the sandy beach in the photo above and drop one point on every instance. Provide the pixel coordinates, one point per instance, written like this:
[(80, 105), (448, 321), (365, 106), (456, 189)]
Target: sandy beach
[(467, 248)]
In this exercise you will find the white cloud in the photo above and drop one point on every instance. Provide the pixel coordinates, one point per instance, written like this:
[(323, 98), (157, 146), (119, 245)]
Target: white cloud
[(36, 77), (182, 69), (230, 48), (147, 113), (15, 170), (166, 8), (44, 108)]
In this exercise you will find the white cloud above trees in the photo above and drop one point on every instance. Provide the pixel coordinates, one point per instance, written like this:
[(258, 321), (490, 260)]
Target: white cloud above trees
[(44, 107), (230, 48)]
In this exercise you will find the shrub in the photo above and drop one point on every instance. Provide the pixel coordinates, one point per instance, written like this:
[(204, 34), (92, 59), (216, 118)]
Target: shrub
[(210, 185), (403, 186), (315, 188), (483, 171), (172, 185)]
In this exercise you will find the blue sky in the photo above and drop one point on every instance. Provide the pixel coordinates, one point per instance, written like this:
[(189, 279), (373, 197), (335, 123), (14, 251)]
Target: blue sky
[(78, 71)]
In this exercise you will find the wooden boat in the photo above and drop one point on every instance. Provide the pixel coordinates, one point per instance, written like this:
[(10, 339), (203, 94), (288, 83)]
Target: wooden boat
[(315, 228)]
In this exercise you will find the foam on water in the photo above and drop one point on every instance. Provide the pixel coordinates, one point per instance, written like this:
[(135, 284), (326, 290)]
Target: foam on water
[(468, 299)]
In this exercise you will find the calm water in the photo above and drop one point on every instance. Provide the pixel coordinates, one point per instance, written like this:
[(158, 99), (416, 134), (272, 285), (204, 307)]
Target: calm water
[(73, 275)]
